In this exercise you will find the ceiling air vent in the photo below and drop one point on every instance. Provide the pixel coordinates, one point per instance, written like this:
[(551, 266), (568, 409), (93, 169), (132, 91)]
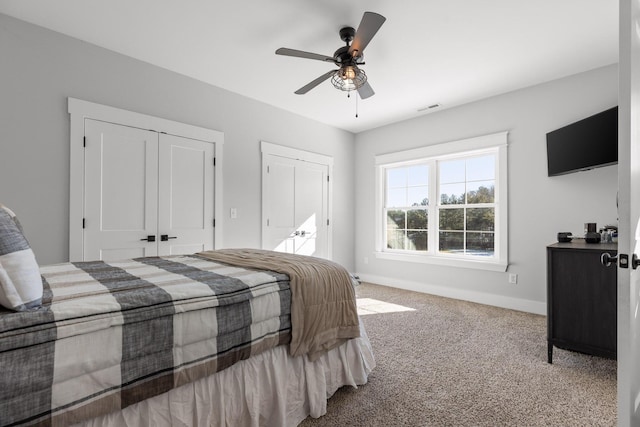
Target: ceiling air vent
[(429, 107)]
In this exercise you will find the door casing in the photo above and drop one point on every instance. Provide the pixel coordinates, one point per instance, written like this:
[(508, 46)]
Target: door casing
[(80, 110), (323, 161)]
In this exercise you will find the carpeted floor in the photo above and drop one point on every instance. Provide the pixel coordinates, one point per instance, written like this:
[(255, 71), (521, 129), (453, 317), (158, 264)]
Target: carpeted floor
[(454, 363)]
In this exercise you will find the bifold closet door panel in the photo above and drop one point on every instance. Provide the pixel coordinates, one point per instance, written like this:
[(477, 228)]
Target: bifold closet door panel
[(185, 195), (120, 191)]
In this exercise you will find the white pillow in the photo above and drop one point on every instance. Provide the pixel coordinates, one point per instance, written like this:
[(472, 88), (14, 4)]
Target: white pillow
[(20, 281)]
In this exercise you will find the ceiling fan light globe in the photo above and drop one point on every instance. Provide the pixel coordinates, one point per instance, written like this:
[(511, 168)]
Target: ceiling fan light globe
[(349, 78), (348, 73)]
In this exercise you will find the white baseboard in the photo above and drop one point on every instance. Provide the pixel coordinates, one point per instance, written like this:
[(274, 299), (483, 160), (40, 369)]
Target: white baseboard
[(519, 304)]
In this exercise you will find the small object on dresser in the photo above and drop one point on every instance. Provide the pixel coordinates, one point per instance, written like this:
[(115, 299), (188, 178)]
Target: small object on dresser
[(592, 237), (564, 237)]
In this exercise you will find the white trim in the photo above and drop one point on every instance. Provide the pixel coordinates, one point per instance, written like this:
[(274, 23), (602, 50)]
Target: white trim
[(90, 110), (80, 110), (529, 306), (268, 148), (294, 153), (496, 143), (449, 261), (437, 150)]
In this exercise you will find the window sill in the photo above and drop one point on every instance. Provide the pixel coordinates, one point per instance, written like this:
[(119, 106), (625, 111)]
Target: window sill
[(445, 261)]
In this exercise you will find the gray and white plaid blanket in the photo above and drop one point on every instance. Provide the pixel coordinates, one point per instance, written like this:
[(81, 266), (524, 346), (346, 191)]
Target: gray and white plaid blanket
[(113, 334)]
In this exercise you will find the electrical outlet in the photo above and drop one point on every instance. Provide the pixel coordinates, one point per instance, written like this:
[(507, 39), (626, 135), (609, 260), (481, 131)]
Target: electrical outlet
[(233, 213), (513, 278)]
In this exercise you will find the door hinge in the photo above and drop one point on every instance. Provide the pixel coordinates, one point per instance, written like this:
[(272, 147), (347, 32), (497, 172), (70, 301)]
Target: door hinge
[(327, 222), (327, 178), (267, 222), (214, 222), (267, 168), (214, 161), (83, 223), (84, 141)]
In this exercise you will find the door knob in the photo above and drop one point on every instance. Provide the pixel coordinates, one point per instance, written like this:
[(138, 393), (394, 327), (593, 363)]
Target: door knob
[(606, 259), (165, 237), (150, 238)]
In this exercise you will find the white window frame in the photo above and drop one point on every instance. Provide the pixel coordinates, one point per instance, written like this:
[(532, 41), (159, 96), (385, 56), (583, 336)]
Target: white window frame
[(493, 143)]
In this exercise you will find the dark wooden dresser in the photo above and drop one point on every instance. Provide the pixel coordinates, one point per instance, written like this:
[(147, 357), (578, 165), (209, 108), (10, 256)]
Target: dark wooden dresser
[(581, 299)]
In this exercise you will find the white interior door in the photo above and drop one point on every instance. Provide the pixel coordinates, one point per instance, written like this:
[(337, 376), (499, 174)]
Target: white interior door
[(310, 209), (114, 188), (185, 195), (629, 215), (279, 201), (121, 205), (295, 201)]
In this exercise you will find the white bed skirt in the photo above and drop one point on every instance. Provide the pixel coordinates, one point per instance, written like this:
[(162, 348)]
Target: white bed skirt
[(270, 389)]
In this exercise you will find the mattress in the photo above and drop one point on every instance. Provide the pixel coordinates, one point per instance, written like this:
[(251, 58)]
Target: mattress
[(113, 335)]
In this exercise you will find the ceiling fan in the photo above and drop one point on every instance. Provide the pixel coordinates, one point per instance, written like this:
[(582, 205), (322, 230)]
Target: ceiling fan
[(348, 58)]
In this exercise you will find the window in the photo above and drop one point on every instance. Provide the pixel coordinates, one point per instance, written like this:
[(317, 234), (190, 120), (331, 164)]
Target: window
[(445, 204), (406, 207), (466, 205)]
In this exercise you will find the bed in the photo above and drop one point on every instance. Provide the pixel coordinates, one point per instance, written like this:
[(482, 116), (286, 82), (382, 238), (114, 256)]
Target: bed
[(230, 338)]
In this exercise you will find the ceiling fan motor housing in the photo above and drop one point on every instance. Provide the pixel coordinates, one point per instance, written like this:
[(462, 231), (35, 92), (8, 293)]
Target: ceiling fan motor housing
[(347, 34)]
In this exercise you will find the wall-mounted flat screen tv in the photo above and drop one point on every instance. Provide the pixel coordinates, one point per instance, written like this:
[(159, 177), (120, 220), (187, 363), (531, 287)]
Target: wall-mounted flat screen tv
[(586, 144)]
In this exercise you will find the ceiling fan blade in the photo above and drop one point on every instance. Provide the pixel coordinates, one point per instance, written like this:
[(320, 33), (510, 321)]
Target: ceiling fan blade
[(369, 26), (302, 54), (365, 91), (306, 88)]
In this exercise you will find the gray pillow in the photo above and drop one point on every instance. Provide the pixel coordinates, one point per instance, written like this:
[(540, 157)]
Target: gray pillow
[(20, 281)]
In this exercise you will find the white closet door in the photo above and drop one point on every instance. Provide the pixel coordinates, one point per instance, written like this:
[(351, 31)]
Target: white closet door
[(121, 178), (279, 201), (296, 207), (311, 209), (185, 195)]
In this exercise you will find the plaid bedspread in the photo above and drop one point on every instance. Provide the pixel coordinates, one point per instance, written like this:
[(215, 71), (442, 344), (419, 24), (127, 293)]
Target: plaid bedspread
[(113, 334)]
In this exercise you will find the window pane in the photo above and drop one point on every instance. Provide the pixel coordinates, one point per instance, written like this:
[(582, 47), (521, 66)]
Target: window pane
[(417, 219), (481, 192), (417, 240), (481, 168), (395, 239), (396, 197), (451, 242), (451, 171), (396, 220), (396, 177), (451, 219), (481, 219), (480, 244), (418, 175), (418, 196), (451, 194)]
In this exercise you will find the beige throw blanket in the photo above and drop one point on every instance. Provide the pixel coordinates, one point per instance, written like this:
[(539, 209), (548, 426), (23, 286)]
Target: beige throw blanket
[(323, 305)]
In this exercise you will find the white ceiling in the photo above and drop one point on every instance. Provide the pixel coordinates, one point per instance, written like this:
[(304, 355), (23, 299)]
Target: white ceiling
[(448, 52)]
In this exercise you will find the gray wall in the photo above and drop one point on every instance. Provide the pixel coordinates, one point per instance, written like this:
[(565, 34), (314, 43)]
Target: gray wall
[(39, 69), (539, 206)]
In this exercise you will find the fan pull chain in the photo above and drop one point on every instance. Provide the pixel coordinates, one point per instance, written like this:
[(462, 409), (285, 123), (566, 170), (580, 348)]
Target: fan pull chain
[(349, 96)]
